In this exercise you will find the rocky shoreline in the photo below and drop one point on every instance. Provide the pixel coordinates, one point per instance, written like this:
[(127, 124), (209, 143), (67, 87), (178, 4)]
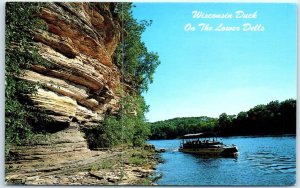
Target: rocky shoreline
[(118, 166)]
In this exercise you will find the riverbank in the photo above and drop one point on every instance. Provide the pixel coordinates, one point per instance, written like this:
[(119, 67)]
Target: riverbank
[(118, 166)]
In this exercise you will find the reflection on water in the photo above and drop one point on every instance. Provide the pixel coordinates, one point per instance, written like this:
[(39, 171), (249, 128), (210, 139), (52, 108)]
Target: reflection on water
[(261, 161)]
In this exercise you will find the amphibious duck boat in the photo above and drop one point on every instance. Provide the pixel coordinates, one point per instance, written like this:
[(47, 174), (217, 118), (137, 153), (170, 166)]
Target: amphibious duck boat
[(206, 144)]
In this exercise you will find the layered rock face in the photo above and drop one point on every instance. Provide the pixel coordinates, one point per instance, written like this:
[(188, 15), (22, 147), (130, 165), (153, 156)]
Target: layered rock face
[(80, 84), (81, 81)]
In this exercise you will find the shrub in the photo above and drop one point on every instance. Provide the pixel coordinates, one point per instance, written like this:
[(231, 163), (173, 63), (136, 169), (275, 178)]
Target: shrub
[(19, 54)]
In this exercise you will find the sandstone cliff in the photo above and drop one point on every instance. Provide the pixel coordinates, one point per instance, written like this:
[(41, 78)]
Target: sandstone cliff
[(80, 85), (82, 81)]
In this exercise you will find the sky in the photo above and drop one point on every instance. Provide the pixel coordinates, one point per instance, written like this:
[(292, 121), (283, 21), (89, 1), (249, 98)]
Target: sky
[(206, 73)]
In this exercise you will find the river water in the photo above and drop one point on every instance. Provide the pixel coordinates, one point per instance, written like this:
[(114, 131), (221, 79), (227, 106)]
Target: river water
[(261, 161)]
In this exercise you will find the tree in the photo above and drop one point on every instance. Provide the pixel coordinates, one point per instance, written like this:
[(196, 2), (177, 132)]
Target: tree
[(127, 127), (136, 62), (242, 116), (224, 122)]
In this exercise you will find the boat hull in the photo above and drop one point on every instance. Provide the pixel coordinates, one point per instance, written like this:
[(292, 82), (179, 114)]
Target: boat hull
[(223, 151)]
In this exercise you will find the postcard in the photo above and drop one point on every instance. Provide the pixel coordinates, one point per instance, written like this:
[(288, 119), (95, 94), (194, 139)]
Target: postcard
[(150, 93)]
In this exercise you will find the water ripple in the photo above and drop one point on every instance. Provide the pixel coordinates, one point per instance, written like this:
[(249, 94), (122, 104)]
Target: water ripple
[(272, 162)]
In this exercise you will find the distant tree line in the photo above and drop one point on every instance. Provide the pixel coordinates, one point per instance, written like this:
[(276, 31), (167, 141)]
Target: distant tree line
[(274, 118), (173, 128)]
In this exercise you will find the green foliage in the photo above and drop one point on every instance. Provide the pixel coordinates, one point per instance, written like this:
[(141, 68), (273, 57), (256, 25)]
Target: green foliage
[(273, 118), (138, 156), (19, 54), (224, 121), (128, 127), (135, 161), (107, 134), (177, 127), (135, 128), (105, 164), (137, 63)]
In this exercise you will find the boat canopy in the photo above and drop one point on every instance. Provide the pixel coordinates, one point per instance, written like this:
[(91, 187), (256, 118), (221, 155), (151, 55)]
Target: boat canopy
[(199, 135)]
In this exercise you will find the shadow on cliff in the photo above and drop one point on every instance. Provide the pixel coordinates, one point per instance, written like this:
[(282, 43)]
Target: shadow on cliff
[(46, 126)]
